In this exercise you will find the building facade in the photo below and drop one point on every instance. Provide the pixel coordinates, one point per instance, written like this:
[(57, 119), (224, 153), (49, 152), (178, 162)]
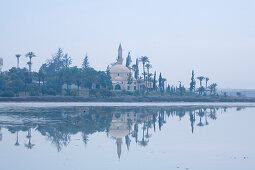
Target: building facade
[(121, 76)]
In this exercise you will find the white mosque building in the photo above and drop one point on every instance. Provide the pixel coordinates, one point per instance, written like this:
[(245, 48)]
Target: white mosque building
[(121, 75)]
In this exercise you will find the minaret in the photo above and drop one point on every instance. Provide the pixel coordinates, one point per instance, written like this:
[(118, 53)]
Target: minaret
[(120, 59), (119, 142)]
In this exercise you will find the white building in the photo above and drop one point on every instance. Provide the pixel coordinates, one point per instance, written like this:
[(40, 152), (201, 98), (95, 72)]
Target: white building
[(121, 76)]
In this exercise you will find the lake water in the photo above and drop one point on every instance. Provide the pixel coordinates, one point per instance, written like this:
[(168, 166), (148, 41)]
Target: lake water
[(116, 136)]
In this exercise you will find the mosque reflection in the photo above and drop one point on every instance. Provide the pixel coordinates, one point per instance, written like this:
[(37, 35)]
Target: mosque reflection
[(123, 125)]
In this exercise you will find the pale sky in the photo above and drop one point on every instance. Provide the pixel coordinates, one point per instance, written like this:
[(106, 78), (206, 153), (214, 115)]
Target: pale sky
[(216, 38)]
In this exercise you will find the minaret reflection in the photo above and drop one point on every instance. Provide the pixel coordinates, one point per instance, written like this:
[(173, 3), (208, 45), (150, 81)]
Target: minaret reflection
[(120, 127)]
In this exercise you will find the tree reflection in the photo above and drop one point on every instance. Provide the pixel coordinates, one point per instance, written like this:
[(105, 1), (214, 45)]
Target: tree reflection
[(200, 114), (1, 135), (29, 145), (143, 142), (17, 139), (58, 125), (85, 138)]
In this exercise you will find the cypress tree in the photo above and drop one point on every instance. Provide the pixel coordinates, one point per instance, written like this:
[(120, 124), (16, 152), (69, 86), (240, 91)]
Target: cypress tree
[(85, 63), (128, 60), (160, 82), (154, 81), (193, 82), (137, 69)]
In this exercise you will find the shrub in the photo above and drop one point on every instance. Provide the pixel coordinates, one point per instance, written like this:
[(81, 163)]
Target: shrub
[(73, 92), (7, 94)]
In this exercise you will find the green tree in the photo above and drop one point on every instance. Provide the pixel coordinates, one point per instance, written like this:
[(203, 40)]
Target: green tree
[(30, 55), (144, 60), (148, 67), (201, 78), (85, 63), (160, 83), (78, 78), (67, 60), (137, 69), (193, 82), (55, 64), (212, 88), (18, 57), (163, 84), (154, 81), (201, 90), (206, 82), (128, 60)]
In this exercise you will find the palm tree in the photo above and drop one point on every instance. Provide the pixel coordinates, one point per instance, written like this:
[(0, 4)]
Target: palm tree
[(30, 55), (29, 145), (206, 81), (144, 60), (143, 142), (201, 90), (201, 114), (18, 56), (201, 78), (212, 88), (134, 68), (148, 66), (163, 84)]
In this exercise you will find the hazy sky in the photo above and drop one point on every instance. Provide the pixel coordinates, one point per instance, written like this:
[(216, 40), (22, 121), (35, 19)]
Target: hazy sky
[(216, 38)]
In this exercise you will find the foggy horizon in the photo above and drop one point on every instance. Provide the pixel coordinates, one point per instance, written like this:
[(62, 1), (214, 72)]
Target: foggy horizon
[(178, 37)]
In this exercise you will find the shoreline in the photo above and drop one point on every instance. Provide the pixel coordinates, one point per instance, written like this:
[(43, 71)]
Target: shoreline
[(131, 99), (126, 104)]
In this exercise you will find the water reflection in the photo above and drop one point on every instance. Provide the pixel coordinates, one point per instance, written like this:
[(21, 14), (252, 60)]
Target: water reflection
[(123, 125)]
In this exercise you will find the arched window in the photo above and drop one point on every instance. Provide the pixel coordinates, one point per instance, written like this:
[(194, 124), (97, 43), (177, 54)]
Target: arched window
[(117, 87), (117, 115)]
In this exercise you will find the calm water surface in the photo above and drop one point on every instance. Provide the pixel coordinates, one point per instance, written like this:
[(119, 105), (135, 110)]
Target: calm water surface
[(146, 136)]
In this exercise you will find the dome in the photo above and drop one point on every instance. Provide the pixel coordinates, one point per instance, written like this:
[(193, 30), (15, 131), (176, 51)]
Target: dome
[(119, 133), (119, 68), (118, 78)]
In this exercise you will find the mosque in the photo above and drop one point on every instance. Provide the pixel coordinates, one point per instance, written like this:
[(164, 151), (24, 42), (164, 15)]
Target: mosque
[(121, 76)]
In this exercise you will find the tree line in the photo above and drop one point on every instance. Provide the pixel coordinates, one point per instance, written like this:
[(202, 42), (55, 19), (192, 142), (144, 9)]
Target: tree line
[(154, 84), (56, 77), (53, 76)]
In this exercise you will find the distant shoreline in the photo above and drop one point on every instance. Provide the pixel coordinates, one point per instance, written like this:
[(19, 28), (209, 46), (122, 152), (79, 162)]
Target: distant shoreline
[(128, 99)]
